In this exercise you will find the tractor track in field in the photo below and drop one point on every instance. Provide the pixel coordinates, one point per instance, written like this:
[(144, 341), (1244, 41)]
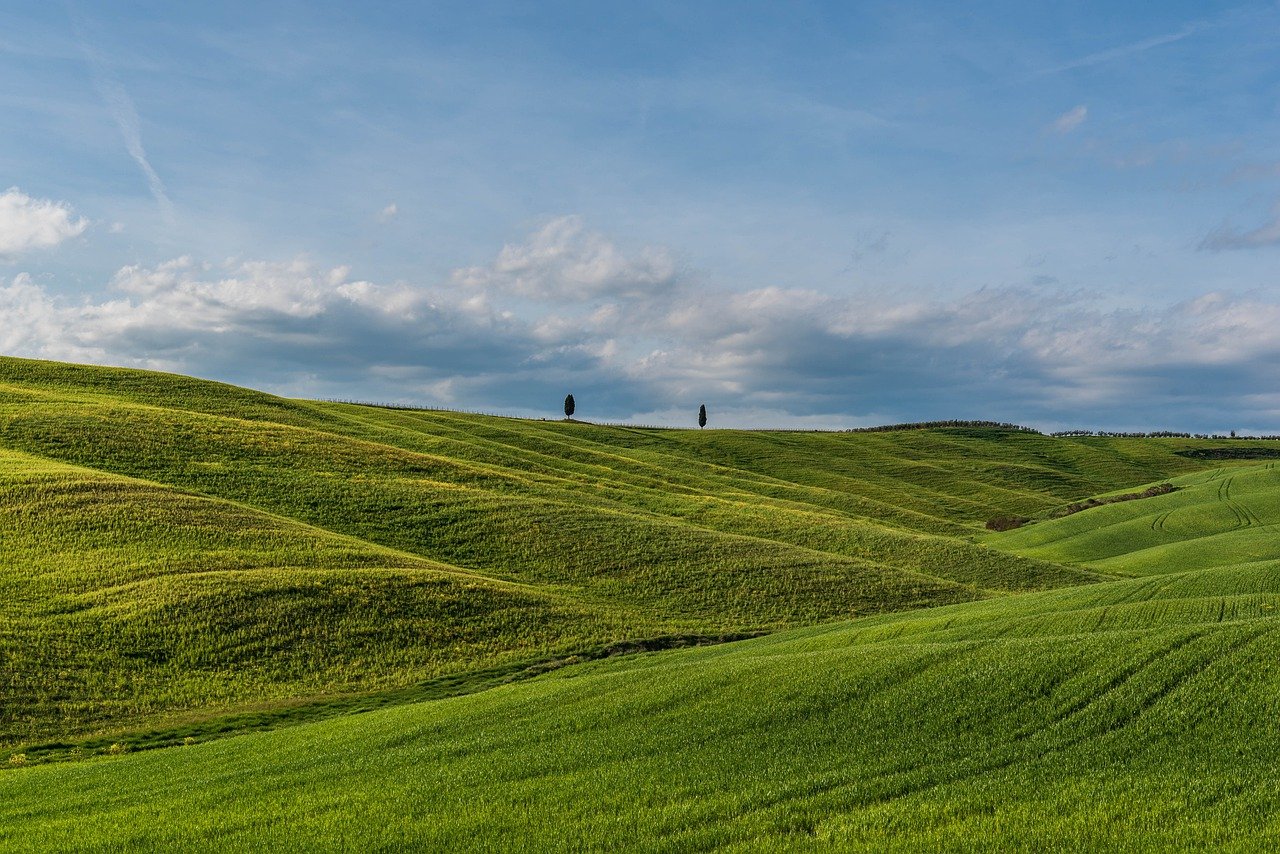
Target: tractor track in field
[(1245, 517)]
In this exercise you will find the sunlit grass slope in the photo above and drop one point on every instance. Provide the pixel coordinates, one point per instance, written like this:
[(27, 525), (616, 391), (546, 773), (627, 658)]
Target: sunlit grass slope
[(1136, 713), (122, 600), (515, 497), (1226, 516), (519, 499)]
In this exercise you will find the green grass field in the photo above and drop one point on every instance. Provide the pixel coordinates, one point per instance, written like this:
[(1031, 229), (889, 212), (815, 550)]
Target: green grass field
[(183, 560), (1135, 713), (1220, 517)]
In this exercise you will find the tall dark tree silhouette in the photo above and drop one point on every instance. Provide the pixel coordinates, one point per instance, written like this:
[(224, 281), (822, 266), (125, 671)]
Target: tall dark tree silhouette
[(702, 416), (568, 406)]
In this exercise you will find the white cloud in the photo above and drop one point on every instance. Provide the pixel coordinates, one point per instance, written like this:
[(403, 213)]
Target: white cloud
[(31, 323), (760, 356), (27, 223), (1070, 120), (195, 295), (388, 213), (563, 262)]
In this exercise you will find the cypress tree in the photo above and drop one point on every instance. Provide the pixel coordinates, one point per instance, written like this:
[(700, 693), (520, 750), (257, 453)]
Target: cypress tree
[(568, 406), (702, 416)]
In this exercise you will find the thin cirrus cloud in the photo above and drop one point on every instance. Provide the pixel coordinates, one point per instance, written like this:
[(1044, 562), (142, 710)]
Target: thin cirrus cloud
[(125, 114), (1125, 50), (1070, 120), (1225, 237), (27, 223), (826, 360)]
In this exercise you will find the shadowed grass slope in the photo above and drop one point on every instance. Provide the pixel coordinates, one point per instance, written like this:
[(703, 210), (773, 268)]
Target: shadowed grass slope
[(1137, 710)]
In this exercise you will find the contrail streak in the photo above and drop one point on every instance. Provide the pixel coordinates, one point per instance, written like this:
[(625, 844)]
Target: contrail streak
[(1126, 50), (122, 109)]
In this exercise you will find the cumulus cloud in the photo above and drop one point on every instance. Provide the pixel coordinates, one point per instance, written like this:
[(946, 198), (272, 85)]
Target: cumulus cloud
[(31, 324), (1226, 237), (508, 337), (563, 261), (27, 223), (1070, 120), (388, 213), (245, 318)]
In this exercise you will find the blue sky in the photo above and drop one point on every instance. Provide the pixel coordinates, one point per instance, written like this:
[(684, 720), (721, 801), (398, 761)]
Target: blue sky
[(822, 214)]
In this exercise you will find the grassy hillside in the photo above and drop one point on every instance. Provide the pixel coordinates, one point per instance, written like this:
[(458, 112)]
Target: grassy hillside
[(178, 549), (183, 558), (1137, 711), (123, 600), (1222, 517)]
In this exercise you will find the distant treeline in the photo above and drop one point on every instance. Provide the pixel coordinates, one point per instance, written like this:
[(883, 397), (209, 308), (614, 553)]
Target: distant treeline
[(1155, 434), (1244, 453), (933, 425), (1113, 434), (884, 428)]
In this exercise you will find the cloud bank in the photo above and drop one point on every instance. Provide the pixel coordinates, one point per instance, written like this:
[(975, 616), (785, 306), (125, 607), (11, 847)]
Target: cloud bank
[(634, 336), (27, 223)]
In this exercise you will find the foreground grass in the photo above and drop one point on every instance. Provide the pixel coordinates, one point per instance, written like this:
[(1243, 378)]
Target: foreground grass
[(1128, 712)]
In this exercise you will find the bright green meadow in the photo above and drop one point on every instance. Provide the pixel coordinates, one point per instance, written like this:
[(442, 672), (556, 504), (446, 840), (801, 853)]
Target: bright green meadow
[(231, 621)]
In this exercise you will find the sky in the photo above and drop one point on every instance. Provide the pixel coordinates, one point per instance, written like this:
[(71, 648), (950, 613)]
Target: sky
[(800, 214)]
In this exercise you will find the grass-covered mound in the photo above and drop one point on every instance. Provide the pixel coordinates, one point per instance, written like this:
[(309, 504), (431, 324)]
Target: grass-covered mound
[(182, 558)]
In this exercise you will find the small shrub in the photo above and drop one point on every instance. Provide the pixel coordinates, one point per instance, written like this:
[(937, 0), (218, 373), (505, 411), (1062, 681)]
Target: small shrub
[(1006, 523), (188, 741), (18, 759), (118, 748)]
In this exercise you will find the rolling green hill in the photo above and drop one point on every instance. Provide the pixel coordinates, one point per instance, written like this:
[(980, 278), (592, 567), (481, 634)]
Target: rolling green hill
[(1221, 517), (179, 549), (124, 599), (182, 559)]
